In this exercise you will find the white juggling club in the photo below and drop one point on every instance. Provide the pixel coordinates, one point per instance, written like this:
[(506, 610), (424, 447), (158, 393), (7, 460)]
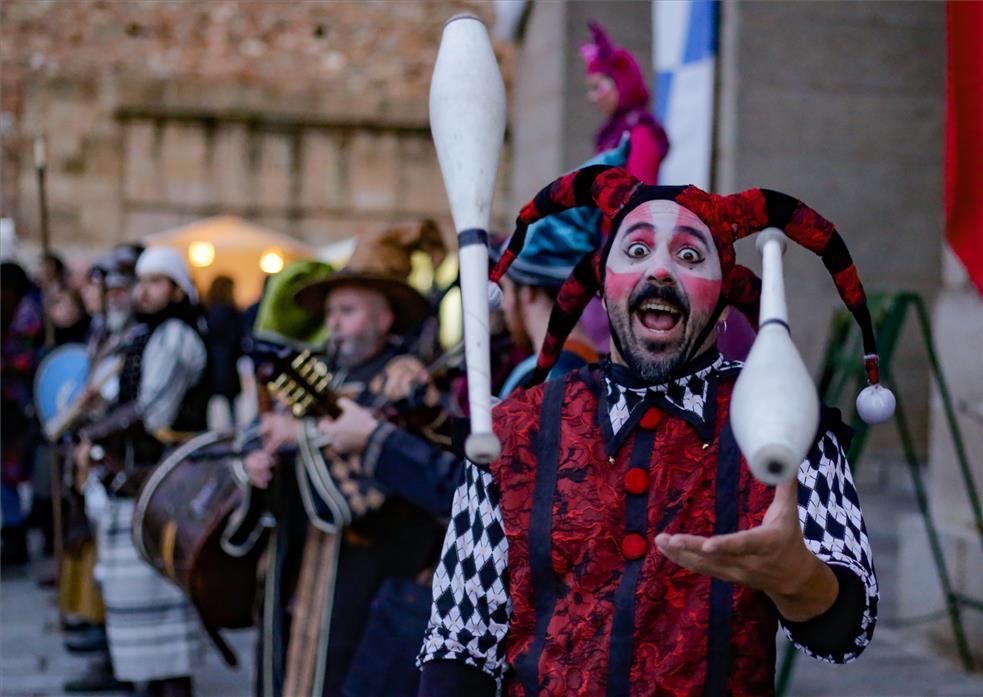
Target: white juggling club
[(467, 120), (774, 410)]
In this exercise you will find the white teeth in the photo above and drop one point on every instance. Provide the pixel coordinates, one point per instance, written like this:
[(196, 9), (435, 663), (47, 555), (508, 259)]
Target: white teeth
[(658, 307)]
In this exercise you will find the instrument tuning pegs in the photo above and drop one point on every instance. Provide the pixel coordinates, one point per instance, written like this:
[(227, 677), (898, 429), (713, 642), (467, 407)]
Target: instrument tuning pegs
[(300, 360)]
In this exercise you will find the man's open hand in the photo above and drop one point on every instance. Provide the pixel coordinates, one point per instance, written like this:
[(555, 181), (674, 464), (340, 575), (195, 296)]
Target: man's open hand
[(772, 557)]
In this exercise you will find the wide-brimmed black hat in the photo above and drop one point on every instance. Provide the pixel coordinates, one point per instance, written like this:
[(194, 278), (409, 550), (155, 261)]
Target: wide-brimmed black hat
[(381, 262)]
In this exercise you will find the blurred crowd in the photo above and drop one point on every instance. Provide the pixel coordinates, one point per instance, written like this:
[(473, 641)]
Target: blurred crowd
[(54, 308)]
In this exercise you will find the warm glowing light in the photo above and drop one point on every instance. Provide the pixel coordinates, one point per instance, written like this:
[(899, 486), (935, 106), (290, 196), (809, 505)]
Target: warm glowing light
[(201, 254), (271, 261), (451, 318), (421, 271)]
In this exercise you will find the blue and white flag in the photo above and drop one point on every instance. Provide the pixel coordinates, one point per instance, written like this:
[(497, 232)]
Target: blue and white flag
[(685, 54)]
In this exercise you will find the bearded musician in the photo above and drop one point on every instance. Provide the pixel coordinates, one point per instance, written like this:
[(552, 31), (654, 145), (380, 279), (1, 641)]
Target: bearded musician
[(108, 297), (346, 594)]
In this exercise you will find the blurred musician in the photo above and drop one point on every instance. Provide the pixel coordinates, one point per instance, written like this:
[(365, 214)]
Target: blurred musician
[(154, 633), (351, 523), (107, 296)]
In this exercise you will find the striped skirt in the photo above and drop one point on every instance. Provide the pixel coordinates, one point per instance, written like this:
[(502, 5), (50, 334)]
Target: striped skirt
[(154, 632)]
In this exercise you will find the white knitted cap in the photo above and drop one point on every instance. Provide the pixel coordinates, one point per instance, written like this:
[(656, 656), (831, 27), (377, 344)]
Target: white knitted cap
[(170, 263)]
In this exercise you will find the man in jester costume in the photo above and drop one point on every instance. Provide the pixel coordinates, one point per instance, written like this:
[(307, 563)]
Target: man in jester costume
[(620, 545)]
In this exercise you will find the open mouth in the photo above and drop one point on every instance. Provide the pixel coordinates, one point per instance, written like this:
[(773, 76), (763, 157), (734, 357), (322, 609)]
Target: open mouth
[(659, 315)]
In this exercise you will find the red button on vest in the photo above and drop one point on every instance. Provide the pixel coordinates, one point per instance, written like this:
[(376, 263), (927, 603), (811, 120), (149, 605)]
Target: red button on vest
[(636, 481), (651, 418), (633, 546)]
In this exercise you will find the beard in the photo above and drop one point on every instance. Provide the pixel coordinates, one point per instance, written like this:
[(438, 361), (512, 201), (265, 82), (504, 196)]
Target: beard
[(349, 351), (116, 318), (651, 360)]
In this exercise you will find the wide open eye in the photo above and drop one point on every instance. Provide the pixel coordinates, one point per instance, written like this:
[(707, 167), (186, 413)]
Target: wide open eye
[(637, 250), (690, 255)]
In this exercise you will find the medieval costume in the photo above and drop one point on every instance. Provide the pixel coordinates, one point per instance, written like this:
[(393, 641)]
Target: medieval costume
[(343, 606), (154, 632), (550, 583), (79, 595)]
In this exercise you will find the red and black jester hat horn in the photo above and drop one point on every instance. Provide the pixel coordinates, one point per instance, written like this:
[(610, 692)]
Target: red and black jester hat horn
[(615, 192)]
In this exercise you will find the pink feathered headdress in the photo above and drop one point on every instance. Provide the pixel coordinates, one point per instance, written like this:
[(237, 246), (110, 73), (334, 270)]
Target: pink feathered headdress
[(602, 56)]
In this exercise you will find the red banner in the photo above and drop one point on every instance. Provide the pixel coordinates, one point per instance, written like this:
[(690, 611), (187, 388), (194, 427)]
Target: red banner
[(964, 135)]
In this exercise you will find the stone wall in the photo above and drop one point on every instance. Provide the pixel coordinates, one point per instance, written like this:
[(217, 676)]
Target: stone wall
[(841, 104), (310, 118)]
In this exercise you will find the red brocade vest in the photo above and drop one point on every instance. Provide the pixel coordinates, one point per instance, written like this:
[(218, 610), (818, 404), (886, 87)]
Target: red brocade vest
[(597, 610)]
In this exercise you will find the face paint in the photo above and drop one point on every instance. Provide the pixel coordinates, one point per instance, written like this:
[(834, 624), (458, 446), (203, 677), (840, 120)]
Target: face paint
[(662, 283), (602, 93)]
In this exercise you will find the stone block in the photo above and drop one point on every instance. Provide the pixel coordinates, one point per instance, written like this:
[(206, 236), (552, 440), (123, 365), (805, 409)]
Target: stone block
[(274, 170), (958, 325), (421, 190), (837, 124), (852, 59), (374, 173), (183, 164), (231, 173), (920, 591), (141, 167), (100, 211), (324, 166)]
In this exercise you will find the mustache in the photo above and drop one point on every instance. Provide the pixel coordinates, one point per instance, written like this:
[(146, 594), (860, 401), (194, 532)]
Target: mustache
[(669, 294)]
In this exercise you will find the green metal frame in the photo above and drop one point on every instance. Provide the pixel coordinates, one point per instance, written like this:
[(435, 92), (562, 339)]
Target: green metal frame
[(842, 370)]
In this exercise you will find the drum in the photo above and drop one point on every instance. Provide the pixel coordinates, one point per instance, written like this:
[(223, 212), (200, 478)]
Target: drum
[(180, 515)]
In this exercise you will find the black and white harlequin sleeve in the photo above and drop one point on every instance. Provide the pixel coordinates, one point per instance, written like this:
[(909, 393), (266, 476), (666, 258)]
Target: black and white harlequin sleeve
[(470, 614), (833, 528)]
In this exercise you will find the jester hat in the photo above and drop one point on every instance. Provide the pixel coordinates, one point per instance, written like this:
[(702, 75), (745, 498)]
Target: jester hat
[(615, 193)]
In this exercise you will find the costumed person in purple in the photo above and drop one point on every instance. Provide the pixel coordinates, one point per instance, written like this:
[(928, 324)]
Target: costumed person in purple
[(630, 136), (616, 86), (620, 545)]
